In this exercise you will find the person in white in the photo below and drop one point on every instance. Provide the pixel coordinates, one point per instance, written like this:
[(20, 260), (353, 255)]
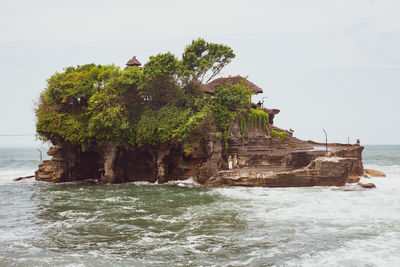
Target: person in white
[(230, 162)]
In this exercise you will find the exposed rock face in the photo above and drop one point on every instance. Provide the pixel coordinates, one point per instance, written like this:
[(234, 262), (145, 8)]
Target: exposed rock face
[(353, 180), (353, 152), (374, 173), (322, 171), (110, 154), (214, 160), (271, 113), (262, 161), (69, 163)]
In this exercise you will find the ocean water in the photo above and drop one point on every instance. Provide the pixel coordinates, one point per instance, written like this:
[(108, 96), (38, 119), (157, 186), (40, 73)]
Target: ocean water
[(183, 224)]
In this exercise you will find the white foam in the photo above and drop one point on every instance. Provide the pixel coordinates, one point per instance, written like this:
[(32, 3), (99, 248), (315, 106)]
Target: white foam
[(383, 250), (120, 199), (329, 215), (183, 183)]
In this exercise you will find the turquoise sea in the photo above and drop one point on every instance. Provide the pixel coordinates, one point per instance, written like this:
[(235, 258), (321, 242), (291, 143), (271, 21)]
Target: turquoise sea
[(183, 224)]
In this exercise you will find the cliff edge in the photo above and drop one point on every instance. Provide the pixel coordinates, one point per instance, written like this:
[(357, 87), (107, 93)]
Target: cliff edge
[(260, 160)]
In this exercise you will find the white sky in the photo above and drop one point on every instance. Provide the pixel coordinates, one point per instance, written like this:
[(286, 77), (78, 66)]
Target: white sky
[(326, 64)]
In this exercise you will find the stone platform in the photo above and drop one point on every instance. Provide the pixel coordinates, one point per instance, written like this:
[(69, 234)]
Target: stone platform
[(323, 171)]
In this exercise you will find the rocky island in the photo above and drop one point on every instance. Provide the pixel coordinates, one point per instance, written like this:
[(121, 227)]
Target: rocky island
[(171, 120)]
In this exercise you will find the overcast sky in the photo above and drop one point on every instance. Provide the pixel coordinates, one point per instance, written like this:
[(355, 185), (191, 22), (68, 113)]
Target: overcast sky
[(332, 65)]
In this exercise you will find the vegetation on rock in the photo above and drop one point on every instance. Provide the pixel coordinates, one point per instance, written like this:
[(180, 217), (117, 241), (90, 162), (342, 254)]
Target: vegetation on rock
[(158, 104), (253, 118), (281, 135)]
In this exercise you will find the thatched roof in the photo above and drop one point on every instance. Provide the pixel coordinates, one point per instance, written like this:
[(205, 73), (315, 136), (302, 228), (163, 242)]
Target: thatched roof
[(210, 87), (133, 62)]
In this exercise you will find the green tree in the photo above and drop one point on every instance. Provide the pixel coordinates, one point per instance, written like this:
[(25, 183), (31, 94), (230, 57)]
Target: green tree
[(202, 61), (63, 105), (153, 105), (160, 74), (227, 103)]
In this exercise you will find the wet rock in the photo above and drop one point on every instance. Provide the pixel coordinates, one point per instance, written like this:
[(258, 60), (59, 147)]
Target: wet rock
[(69, 163), (367, 185), (323, 171), (374, 173), (353, 180)]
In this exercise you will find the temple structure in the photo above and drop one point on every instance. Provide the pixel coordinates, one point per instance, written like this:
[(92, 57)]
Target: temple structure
[(133, 62), (210, 88)]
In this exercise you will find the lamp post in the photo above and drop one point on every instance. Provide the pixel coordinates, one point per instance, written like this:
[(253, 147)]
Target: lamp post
[(41, 155)]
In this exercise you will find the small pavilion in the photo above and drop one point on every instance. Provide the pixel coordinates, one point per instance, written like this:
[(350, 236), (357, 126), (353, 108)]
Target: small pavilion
[(133, 62), (210, 88)]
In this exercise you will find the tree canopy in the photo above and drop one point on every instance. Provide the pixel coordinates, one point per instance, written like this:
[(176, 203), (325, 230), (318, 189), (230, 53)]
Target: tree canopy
[(159, 103)]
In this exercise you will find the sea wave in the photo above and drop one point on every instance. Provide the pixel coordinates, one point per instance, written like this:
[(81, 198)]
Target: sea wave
[(190, 182), (180, 223), (391, 171), (7, 175)]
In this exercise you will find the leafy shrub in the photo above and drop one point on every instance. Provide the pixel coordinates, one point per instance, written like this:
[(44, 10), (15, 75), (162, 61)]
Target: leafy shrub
[(281, 135)]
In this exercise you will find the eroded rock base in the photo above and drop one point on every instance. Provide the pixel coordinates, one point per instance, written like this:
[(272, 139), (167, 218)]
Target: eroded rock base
[(323, 171), (260, 160)]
